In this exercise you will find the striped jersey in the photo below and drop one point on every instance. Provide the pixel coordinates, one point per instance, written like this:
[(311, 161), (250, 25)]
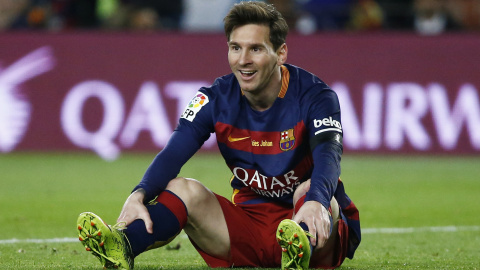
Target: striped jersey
[(269, 152)]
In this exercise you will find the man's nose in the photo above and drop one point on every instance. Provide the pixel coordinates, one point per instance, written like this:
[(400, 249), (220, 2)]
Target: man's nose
[(245, 58)]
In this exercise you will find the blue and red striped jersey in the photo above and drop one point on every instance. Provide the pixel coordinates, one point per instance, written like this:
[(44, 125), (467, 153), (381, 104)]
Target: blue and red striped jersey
[(269, 152)]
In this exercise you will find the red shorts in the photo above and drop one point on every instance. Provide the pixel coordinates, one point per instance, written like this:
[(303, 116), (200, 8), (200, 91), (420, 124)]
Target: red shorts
[(252, 229)]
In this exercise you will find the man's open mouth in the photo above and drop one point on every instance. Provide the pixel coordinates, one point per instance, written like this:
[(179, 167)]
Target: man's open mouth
[(247, 73)]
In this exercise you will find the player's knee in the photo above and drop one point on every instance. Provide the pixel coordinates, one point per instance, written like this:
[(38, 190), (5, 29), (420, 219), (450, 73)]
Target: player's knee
[(182, 185), (177, 184), (187, 189), (301, 190), (335, 210)]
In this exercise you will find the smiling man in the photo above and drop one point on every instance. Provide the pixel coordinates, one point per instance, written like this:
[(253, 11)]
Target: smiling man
[(255, 63), (278, 128)]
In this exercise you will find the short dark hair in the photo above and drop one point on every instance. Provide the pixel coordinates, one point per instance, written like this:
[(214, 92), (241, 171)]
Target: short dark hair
[(257, 13)]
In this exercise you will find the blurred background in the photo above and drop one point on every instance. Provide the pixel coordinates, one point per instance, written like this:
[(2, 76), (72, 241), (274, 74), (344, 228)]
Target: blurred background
[(114, 75), (426, 17)]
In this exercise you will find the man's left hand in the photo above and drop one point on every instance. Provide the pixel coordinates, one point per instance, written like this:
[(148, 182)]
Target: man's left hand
[(317, 219)]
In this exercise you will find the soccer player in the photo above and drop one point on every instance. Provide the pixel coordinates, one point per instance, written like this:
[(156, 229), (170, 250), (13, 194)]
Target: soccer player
[(278, 128)]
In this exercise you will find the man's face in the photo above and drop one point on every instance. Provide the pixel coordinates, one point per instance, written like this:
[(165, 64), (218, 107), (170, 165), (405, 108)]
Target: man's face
[(252, 58)]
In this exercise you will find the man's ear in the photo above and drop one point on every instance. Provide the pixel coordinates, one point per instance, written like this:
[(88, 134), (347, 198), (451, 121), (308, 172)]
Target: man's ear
[(282, 54)]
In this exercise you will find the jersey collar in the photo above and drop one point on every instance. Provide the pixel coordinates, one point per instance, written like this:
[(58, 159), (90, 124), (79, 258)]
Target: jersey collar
[(285, 81)]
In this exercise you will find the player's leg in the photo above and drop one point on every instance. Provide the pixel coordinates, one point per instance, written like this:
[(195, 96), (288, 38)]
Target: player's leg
[(168, 214), (185, 204), (206, 224), (293, 238), (116, 246), (325, 256), (300, 258)]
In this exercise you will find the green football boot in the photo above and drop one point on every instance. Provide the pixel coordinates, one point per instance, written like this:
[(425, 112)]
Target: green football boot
[(107, 243), (295, 245)]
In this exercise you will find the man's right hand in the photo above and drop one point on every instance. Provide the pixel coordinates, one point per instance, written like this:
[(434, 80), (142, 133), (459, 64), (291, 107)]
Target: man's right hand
[(134, 209)]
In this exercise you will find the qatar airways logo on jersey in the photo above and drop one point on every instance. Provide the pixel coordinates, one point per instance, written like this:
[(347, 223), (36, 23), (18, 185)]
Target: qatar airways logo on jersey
[(328, 123), (276, 186)]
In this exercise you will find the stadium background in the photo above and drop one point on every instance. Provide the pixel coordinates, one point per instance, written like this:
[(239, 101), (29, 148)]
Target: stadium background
[(86, 81)]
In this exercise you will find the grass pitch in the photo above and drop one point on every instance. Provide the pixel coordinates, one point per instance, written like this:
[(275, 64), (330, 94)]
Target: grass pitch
[(430, 201)]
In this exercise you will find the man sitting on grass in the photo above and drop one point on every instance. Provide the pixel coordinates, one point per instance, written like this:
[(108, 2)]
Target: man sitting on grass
[(278, 128)]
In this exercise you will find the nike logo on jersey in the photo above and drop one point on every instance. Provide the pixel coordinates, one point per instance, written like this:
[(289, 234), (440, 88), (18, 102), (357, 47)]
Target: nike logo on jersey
[(231, 139)]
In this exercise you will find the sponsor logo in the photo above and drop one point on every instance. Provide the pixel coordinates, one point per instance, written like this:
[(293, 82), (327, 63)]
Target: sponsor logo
[(273, 187), (15, 108), (287, 139), (328, 124), (231, 139), (194, 106)]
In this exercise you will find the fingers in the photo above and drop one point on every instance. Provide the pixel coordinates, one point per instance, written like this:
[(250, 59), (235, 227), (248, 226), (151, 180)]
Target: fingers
[(313, 230), (320, 228), (297, 219), (134, 209), (323, 228), (123, 218), (317, 219), (139, 213), (128, 213), (322, 234), (148, 221), (311, 227)]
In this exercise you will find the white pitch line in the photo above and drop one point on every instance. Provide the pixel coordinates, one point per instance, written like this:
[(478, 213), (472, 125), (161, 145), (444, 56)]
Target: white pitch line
[(420, 229), (39, 241), (364, 231)]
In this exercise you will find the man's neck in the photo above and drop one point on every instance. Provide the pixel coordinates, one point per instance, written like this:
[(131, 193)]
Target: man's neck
[(263, 100)]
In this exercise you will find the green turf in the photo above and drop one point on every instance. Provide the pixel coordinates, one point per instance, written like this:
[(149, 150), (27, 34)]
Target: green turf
[(41, 196)]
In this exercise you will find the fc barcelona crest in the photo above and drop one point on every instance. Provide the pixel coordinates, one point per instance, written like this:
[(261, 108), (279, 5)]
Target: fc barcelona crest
[(287, 139)]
